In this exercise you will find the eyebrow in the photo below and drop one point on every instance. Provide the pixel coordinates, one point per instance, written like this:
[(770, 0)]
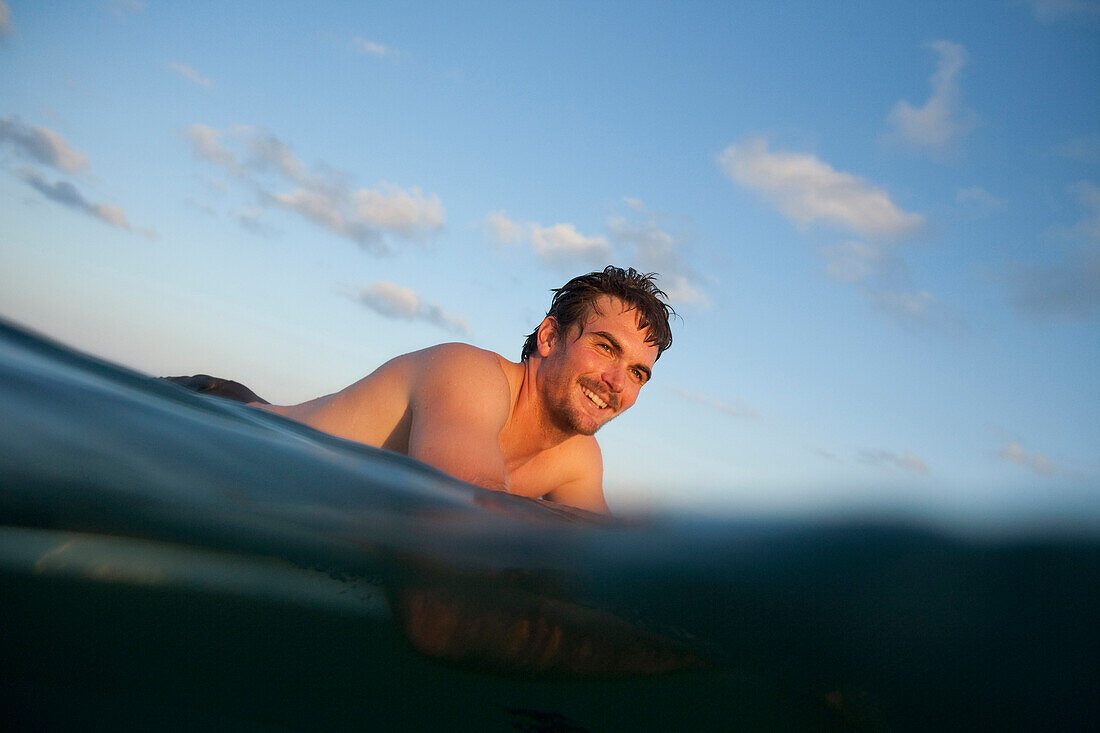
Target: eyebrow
[(619, 349)]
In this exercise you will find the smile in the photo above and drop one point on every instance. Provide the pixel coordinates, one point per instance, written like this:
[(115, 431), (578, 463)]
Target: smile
[(595, 398)]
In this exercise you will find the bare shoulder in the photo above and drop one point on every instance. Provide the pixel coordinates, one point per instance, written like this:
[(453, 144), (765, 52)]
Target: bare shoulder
[(452, 354), (460, 400), (460, 373), (457, 361)]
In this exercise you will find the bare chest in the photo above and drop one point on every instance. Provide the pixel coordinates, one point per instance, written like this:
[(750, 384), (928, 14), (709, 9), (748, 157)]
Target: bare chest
[(540, 475)]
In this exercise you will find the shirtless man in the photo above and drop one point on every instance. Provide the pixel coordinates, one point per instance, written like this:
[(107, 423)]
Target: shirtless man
[(525, 428)]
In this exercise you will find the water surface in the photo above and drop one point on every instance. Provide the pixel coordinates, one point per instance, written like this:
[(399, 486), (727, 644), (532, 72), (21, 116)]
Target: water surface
[(175, 561)]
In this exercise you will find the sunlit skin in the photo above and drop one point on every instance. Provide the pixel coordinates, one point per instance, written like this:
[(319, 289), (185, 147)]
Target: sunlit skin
[(525, 428)]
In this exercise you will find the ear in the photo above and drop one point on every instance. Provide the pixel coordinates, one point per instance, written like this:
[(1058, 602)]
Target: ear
[(547, 337)]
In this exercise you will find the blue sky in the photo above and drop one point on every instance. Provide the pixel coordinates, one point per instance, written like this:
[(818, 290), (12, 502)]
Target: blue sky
[(880, 225)]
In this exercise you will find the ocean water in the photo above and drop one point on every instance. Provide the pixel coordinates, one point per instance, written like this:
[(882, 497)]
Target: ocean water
[(170, 561)]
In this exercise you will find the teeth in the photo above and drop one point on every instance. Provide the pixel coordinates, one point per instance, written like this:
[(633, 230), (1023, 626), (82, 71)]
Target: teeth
[(594, 397)]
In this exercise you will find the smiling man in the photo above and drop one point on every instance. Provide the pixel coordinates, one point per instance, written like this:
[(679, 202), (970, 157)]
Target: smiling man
[(525, 428)]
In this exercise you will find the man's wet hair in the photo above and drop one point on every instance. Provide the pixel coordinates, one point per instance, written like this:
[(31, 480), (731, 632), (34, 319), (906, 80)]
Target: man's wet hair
[(639, 292)]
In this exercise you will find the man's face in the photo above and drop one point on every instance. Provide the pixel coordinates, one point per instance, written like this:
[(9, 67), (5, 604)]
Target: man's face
[(594, 372)]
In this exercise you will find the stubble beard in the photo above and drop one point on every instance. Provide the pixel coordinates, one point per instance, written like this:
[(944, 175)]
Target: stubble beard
[(565, 415), (572, 419)]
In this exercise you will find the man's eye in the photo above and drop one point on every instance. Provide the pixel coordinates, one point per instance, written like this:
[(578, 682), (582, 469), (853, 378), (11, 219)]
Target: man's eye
[(605, 347)]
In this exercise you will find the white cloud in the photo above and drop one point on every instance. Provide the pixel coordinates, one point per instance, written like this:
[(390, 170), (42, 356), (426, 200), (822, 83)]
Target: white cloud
[(653, 249), (204, 208), (66, 194), (1070, 287), (1082, 147), (122, 8), (1037, 462), (558, 244), (49, 148), (806, 190), (503, 230), (1050, 11), (978, 199), (112, 215), (41, 145), (250, 219), (563, 244), (919, 310), (205, 145), (914, 306), (738, 409), (853, 262), (883, 277), (907, 460), (324, 195), (373, 47), (189, 73), (394, 301), (1088, 196), (324, 212), (267, 153), (363, 215), (942, 119), (5, 18), (638, 241), (406, 213), (680, 289)]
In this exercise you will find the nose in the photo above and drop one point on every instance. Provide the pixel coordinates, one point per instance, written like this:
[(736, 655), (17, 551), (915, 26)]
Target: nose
[(615, 377)]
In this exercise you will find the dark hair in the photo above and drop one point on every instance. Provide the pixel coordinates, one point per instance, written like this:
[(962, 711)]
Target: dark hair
[(572, 302)]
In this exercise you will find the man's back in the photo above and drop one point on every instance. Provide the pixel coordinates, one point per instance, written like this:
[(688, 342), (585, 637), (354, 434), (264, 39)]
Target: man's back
[(378, 409)]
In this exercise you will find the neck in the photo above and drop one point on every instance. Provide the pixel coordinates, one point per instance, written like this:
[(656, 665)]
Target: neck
[(530, 430)]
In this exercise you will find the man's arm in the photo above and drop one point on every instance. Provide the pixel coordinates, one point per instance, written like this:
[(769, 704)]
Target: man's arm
[(460, 401), (585, 491)]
